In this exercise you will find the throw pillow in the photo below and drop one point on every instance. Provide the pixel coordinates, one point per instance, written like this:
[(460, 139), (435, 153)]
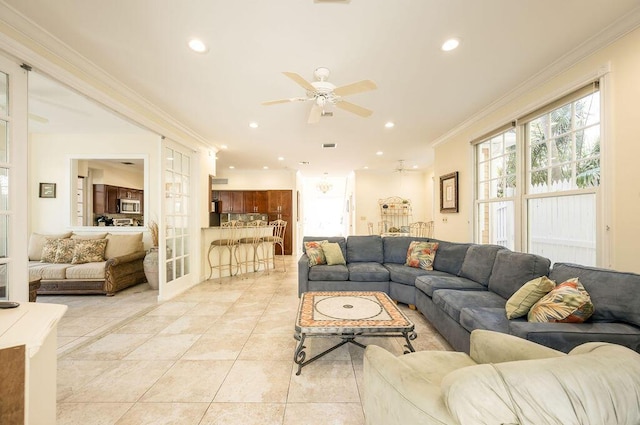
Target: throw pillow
[(315, 253), (37, 241), (530, 293), (49, 249), (333, 254), (569, 302), (89, 251), (64, 251), (421, 254)]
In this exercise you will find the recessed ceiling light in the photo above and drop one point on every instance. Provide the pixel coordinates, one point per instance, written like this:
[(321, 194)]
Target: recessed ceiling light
[(379, 153), (389, 124), (415, 166), (253, 124), (224, 147), (365, 167), (197, 45), (231, 167), (281, 158), (265, 168), (450, 44)]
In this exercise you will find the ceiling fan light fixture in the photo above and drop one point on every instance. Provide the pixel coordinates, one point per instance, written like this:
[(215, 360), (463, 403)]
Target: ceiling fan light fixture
[(450, 44), (197, 46)]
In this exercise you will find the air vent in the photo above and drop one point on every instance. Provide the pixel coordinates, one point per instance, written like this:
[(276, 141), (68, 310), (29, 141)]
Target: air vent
[(329, 145), (327, 114), (303, 162), (219, 181)]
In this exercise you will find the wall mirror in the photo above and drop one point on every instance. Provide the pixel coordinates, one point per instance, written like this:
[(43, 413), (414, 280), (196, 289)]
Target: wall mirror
[(108, 191)]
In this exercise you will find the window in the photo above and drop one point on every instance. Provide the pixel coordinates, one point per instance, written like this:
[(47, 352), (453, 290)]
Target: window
[(560, 144)]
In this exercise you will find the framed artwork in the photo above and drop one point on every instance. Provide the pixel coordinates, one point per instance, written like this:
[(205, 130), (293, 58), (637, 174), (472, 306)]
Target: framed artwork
[(449, 193), (47, 190)]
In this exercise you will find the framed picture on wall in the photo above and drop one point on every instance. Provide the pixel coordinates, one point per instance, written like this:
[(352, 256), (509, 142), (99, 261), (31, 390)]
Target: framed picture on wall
[(47, 190), (449, 193)]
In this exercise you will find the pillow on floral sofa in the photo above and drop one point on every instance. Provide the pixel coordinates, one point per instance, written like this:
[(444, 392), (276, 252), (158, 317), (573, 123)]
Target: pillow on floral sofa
[(569, 302)]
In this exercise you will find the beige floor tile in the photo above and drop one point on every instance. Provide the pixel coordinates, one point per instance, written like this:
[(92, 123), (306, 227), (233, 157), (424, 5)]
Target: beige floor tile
[(234, 323), (98, 413), (244, 414), (189, 381), (273, 347), (217, 346), (275, 325), (256, 381), (164, 414), (210, 308), (147, 324), (324, 382), (324, 414), (81, 326), (110, 347), (172, 308), (190, 325), (74, 374), (163, 347), (126, 382)]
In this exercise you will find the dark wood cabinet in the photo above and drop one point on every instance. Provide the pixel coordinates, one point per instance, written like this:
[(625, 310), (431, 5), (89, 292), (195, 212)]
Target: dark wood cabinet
[(127, 193), (105, 199), (255, 201), (280, 208), (231, 201)]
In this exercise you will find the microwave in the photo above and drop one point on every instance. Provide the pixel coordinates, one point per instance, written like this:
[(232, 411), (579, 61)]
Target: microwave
[(129, 206)]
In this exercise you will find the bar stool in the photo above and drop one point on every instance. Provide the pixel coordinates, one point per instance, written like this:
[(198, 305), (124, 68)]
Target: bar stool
[(422, 229), (252, 241), (276, 238), (228, 241)]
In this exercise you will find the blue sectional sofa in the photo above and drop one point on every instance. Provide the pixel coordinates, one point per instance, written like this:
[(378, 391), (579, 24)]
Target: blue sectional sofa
[(470, 285)]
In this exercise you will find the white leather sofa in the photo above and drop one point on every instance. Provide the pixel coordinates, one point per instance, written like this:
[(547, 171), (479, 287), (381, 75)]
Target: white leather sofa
[(504, 380)]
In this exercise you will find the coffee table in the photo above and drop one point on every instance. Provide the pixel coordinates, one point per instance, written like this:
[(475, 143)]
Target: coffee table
[(348, 315)]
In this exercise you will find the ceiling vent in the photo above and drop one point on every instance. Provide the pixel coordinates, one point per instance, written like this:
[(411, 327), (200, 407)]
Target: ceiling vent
[(327, 114), (329, 145), (219, 181)]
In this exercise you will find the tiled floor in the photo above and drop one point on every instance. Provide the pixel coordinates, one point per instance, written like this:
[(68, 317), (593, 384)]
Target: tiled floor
[(221, 353)]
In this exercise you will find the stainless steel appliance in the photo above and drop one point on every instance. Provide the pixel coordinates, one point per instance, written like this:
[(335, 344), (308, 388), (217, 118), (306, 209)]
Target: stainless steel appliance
[(129, 206)]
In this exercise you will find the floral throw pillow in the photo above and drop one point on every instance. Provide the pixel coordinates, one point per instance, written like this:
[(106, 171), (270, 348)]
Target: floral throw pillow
[(421, 254), (49, 251), (89, 251), (64, 251), (569, 302), (315, 253)]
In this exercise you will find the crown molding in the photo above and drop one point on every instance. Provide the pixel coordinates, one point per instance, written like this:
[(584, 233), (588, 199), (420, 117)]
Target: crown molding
[(27, 42), (607, 36)]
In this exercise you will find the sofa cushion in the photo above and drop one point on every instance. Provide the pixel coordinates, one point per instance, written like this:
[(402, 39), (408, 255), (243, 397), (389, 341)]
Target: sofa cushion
[(450, 256), (333, 253), (615, 295), (46, 271), (315, 253), (521, 302), (365, 249), (440, 280), (123, 244), (340, 240), (367, 272), (325, 272), (568, 302), (405, 275), (453, 301), (395, 248), (478, 263), (487, 318), (89, 251), (93, 270), (421, 254), (511, 270), (36, 243), (88, 236)]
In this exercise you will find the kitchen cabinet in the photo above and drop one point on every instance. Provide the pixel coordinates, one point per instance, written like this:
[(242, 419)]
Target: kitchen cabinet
[(231, 201), (280, 208), (255, 201), (105, 199), (126, 193)]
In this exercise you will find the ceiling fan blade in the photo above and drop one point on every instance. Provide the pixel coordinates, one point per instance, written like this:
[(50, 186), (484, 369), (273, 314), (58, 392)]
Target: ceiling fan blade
[(359, 87), (301, 81), (293, 99), (315, 114), (352, 107)]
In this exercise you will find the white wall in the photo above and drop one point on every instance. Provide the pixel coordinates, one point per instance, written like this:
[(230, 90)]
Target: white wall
[(620, 149), (370, 186), (50, 161), (257, 180)]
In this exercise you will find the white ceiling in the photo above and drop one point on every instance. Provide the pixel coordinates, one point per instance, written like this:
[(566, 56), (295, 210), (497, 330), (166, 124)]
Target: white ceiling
[(425, 91)]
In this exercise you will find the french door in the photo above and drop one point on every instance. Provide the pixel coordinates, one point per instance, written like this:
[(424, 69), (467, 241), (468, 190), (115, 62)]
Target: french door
[(14, 275)]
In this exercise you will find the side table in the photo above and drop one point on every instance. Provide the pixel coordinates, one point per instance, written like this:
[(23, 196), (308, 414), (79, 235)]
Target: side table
[(34, 285)]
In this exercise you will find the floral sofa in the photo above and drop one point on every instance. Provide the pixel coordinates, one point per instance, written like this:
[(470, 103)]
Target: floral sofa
[(471, 286), (93, 263)]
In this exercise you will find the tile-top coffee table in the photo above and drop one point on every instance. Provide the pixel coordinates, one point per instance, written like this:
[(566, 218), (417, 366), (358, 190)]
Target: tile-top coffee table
[(348, 315)]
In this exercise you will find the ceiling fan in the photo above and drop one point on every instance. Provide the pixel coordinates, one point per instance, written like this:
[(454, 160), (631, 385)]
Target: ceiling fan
[(323, 93), (401, 168)]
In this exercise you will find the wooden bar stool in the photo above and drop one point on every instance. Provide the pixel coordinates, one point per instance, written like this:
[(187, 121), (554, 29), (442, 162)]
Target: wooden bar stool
[(227, 242)]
